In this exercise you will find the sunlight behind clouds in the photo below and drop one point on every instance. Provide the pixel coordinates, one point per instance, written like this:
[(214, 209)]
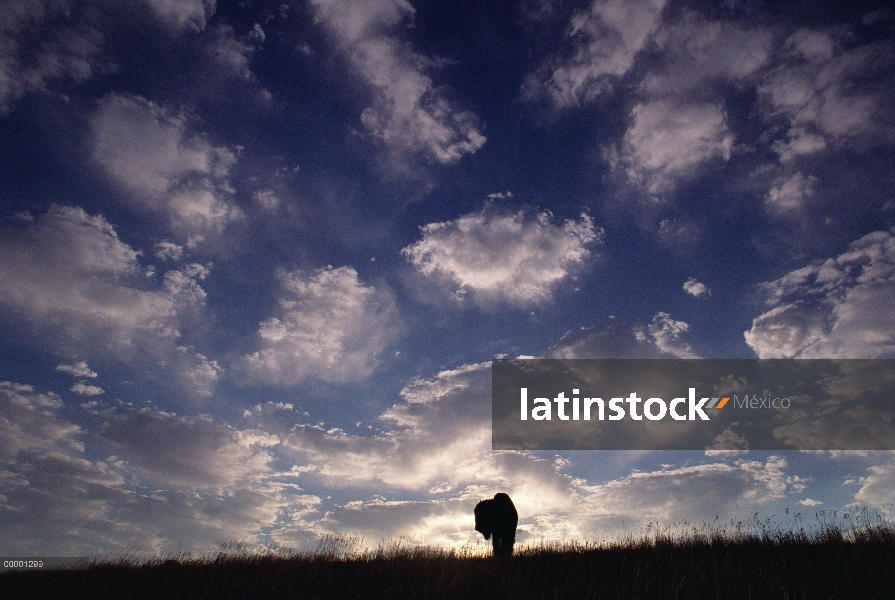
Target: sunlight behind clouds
[(256, 258)]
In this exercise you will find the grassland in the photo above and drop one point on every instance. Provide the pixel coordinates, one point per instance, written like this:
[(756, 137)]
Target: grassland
[(835, 558)]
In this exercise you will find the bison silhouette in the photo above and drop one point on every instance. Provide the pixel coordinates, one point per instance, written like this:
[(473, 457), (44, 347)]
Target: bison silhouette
[(498, 518)]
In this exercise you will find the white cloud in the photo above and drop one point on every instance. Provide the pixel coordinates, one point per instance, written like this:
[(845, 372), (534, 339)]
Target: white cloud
[(678, 125), (28, 423), (183, 284), (799, 142), (408, 113), (695, 288), (839, 308), (184, 14), (666, 334), (786, 330), (791, 193), (693, 53), (198, 373), (810, 502), (662, 338), (257, 34), (45, 484), (144, 147), (231, 53), (78, 369), (831, 93), (54, 500), (606, 38), (670, 140), (78, 282), (73, 285), (696, 53), (878, 488), (168, 251), (197, 453), (70, 51), (331, 326), (505, 257), (267, 199), (86, 390), (501, 195), (431, 522), (688, 494), (150, 151)]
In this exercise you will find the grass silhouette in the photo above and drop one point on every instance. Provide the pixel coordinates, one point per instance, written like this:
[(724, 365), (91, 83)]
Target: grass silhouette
[(850, 555)]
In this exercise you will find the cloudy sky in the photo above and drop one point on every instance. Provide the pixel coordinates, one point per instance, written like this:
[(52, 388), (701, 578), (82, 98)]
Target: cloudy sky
[(255, 257)]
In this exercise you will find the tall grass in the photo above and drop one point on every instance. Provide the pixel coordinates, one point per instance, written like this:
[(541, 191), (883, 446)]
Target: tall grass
[(841, 555)]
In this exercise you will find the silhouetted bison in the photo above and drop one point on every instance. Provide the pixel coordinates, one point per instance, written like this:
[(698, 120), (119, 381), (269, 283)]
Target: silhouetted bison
[(498, 517)]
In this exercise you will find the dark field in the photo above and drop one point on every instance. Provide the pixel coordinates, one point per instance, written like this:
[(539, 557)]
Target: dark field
[(829, 561)]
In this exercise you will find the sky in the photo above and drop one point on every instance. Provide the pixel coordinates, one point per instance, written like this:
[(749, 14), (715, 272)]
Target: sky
[(256, 258)]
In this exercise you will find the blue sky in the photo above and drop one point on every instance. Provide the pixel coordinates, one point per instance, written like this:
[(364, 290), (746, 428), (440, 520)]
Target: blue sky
[(255, 258)]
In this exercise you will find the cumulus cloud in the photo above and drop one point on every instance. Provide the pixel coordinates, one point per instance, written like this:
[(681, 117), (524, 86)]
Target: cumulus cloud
[(878, 488), (29, 423), (832, 93), (78, 369), (183, 284), (230, 53), (183, 14), (331, 327), (168, 251), (669, 140), (46, 486), (798, 142), (678, 125), (267, 199), (696, 288), (70, 52), (165, 167), (689, 493), (71, 47), (838, 308), (696, 53), (56, 500), (197, 372), (791, 194), (663, 337), (606, 39), (86, 390), (70, 270), (666, 334), (504, 257), (409, 113), (197, 453)]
